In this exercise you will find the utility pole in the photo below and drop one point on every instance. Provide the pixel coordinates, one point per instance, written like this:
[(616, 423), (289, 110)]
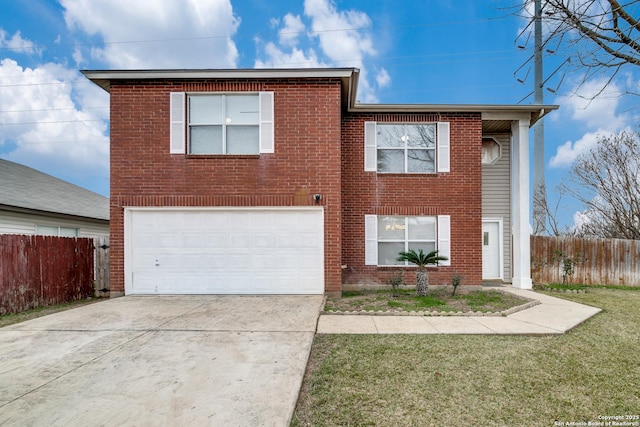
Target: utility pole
[(539, 187)]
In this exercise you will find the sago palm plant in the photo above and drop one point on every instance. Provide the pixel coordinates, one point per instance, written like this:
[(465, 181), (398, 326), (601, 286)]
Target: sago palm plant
[(421, 259)]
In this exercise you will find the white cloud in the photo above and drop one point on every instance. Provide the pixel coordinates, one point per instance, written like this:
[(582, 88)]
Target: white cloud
[(351, 42), (77, 56), (293, 26), (42, 124), (139, 34), (580, 219), (599, 113), (567, 153), (596, 104), (336, 38), (382, 78), (17, 44), (296, 58)]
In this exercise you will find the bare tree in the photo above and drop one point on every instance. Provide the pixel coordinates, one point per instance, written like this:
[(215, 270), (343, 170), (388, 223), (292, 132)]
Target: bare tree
[(606, 180), (551, 224), (600, 37)]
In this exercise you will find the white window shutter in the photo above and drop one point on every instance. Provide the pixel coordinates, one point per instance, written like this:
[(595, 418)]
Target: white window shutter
[(371, 240), (444, 155), (370, 152), (444, 238), (266, 123), (177, 118)]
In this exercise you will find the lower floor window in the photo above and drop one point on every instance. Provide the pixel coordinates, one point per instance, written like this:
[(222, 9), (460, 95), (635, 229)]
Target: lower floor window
[(400, 234), (387, 236), (46, 230)]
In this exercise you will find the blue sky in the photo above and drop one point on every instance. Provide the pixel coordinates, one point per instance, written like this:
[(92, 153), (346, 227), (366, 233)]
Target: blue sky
[(410, 51)]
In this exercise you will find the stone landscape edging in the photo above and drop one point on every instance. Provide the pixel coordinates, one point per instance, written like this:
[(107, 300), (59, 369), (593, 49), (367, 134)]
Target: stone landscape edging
[(503, 313)]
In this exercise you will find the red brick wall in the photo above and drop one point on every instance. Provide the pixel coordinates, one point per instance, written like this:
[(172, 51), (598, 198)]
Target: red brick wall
[(457, 193), (306, 160)]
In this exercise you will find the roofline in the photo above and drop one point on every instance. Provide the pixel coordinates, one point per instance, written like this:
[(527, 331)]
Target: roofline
[(20, 209), (448, 108), (348, 76), (536, 112), (103, 77)]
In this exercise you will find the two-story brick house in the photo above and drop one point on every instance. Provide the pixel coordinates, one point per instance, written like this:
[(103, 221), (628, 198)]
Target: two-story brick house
[(276, 181)]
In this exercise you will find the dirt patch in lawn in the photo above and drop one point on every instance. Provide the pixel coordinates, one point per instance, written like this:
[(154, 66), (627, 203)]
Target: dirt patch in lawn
[(438, 302)]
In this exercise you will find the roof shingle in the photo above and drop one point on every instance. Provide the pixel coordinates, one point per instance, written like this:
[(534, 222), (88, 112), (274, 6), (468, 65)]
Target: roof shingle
[(27, 188)]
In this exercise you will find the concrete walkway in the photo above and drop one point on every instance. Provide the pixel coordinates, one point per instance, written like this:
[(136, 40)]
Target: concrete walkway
[(551, 316)]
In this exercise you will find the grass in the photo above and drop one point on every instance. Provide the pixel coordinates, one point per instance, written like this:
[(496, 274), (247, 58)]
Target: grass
[(425, 380), (438, 300), (10, 319)]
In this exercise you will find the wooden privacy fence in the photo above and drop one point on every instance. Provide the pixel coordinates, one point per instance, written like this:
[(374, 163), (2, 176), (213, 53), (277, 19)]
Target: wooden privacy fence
[(598, 261), (43, 270)]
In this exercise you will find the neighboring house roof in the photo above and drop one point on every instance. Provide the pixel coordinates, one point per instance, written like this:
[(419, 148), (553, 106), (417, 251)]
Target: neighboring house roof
[(348, 76), (25, 188)]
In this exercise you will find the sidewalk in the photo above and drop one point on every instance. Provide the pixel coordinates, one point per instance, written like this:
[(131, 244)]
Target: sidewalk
[(551, 316)]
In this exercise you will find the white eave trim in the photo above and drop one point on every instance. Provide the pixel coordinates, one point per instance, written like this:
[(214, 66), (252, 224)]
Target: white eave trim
[(103, 77), (457, 108), (487, 111), (221, 74)]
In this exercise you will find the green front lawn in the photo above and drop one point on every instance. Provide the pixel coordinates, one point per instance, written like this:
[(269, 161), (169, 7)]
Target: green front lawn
[(447, 380)]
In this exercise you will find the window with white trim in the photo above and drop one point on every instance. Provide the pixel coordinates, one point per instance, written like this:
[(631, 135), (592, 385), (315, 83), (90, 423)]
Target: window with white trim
[(47, 230), (491, 151), (387, 236), (407, 147), (221, 123)]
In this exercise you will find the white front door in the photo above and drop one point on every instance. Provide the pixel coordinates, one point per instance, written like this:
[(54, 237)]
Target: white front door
[(491, 250)]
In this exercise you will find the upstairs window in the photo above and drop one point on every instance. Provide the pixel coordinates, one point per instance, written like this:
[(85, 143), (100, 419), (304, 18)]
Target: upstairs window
[(406, 148), (491, 151), (419, 148), (221, 123), (224, 124)]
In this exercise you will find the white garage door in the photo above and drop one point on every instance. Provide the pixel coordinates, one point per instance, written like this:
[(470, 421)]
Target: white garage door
[(224, 251)]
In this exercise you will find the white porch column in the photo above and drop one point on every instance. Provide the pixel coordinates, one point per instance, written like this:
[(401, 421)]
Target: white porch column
[(520, 205)]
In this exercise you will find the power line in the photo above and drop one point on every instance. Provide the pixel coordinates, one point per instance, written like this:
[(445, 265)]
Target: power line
[(37, 84), (52, 109), (389, 61), (51, 122), (470, 56), (228, 36), (71, 141)]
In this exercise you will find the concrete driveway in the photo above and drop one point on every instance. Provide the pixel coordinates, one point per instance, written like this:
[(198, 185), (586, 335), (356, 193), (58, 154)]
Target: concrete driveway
[(170, 360)]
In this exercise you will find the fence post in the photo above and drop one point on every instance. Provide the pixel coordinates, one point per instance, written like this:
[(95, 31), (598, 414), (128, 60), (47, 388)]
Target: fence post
[(101, 283)]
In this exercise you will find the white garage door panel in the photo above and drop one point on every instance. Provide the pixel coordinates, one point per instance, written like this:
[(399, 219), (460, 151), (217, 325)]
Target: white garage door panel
[(224, 251)]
